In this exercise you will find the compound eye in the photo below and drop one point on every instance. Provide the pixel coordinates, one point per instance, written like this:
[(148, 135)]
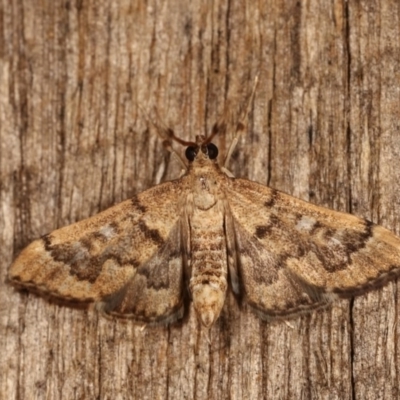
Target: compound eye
[(212, 151), (191, 153)]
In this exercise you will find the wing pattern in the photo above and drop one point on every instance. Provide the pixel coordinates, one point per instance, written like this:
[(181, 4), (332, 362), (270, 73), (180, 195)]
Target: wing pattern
[(293, 256), (113, 258)]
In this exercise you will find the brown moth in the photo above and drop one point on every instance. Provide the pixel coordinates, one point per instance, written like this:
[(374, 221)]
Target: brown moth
[(190, 237)]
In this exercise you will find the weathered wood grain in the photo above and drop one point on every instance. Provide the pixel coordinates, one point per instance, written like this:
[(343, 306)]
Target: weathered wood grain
[(77, 82)]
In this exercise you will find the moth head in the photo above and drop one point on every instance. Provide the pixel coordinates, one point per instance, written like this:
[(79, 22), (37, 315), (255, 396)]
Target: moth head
[(201, 149), (210, 150)]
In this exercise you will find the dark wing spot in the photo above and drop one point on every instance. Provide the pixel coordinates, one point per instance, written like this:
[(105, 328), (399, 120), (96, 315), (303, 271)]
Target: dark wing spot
[(151, 234), (271, 201), (316, 227), (354, 241), (138, 205), (262, 231)]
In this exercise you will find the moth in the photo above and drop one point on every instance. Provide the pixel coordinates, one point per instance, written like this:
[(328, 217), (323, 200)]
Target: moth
[(195, 237)]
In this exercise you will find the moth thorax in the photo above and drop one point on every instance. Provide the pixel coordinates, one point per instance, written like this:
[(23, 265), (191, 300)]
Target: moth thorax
[(208, 300)]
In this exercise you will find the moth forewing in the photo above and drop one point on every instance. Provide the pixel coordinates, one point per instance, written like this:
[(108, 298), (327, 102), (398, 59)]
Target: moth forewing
[(295, 256), (101, 258)]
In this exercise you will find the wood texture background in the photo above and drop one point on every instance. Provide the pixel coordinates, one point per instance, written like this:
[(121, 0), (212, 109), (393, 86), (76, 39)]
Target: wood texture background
[(77, 81)]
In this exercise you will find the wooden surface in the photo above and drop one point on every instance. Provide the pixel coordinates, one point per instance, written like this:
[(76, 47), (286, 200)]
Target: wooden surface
[(79, 83)]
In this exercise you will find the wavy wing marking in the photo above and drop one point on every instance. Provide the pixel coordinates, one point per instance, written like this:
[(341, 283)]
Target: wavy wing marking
[(293, 256), (112, 255)]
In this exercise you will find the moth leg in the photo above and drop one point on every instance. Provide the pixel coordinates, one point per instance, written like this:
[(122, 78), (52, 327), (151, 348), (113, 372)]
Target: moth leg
[(167, 135), (227, 172), (241, 125), (168, 146)]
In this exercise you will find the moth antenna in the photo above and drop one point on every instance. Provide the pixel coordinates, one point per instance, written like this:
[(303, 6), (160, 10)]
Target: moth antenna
[(217, 128), (164, 131), (171, 135), (168, 146), (240, 127), (167, 135)]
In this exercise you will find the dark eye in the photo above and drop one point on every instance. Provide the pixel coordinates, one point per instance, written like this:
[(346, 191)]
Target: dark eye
[(191, 153), (212, 151)]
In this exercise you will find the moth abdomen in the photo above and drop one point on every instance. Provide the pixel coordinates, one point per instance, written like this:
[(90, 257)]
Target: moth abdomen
[(208, 283)]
